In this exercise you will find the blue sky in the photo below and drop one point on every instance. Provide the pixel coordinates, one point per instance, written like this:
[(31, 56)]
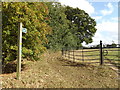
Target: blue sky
[(106, 16)]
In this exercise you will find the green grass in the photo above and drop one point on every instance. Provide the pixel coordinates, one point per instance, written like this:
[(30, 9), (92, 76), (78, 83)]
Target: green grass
[(113, 56), (115, 53)]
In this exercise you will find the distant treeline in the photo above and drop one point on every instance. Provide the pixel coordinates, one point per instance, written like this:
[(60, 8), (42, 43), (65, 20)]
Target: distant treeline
[(113, 45)]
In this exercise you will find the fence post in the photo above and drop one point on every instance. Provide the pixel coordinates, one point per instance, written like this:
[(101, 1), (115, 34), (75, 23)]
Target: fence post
[(101, 54), (62, 52), (82, 55), (19, 50), (65, 52), (69, 54), (73, 55)]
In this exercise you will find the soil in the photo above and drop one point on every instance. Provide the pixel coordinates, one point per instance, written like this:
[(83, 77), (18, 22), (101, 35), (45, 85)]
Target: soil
[(52, 71)]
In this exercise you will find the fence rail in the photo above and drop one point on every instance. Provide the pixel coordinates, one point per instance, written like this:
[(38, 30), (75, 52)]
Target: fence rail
[(101, 54), (81, 55), (77, 55)]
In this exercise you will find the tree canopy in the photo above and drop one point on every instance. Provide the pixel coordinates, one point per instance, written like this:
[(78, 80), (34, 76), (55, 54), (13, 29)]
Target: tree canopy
[(70, 26), (49, 24), (81, 24), (59, 24)]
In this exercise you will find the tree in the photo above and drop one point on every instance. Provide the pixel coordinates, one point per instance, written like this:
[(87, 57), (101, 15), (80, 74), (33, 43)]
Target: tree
[(113, 44), (32, 15), (81, 24), (61, 35), (70, 26)]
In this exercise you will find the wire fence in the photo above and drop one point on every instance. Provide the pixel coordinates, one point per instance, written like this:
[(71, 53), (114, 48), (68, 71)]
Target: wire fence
[(101, 54)]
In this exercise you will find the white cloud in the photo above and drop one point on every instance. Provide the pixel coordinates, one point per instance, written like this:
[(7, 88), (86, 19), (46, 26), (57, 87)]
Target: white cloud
[(108, 26), (105, 39), (107, 12), (107, 31), (115, 19), (82, 4), (97, 17)]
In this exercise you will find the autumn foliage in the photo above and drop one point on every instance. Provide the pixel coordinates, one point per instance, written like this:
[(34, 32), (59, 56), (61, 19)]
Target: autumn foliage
[(49, 26), (32, 16)]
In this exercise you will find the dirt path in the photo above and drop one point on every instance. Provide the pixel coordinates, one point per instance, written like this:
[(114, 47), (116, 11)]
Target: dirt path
[(53, 72)]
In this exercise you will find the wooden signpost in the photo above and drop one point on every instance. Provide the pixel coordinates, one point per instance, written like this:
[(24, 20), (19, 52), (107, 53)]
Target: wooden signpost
[(20, 30)]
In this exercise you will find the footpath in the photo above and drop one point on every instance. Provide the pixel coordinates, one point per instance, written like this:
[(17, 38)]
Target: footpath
[(54, 72)]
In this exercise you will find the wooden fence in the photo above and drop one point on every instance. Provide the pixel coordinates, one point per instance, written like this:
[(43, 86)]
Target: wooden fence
[(83, 55), (93, 55)]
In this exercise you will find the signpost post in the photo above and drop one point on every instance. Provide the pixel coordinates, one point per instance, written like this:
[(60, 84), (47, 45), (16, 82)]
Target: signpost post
[(19, 50), (20, 30)]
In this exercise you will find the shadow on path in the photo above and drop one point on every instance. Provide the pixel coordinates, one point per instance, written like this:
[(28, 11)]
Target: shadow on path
[(73, 64)]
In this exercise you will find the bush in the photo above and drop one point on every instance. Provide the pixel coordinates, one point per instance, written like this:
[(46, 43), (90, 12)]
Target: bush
[(32, 15)]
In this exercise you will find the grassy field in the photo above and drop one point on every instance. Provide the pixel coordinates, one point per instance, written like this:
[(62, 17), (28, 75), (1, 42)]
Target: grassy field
[(52, 71), (110, 55), (113, 56)]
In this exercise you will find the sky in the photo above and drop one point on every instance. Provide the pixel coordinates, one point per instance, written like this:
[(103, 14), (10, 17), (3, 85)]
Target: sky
[(105, 13)]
